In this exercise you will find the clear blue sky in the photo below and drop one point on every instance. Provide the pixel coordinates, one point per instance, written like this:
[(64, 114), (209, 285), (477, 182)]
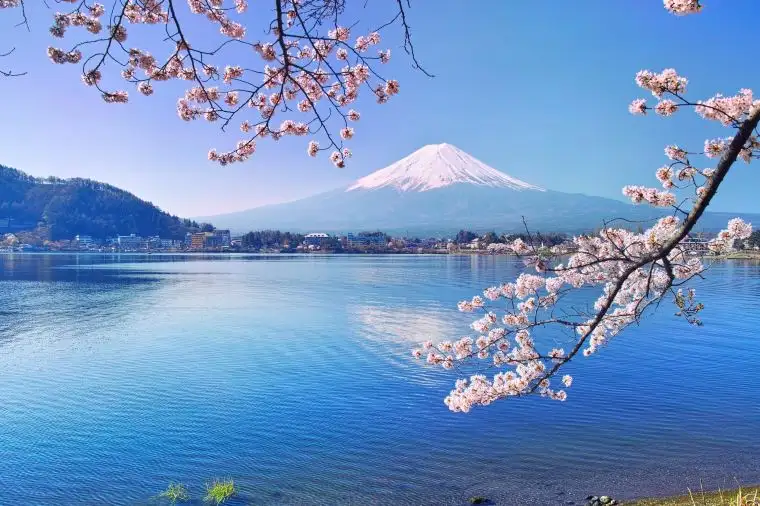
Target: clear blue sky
[(536, 89)]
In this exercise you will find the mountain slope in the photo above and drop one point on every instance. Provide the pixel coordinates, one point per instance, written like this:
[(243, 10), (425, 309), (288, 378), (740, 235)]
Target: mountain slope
[(66, 207), (443, 211), (438, 190)]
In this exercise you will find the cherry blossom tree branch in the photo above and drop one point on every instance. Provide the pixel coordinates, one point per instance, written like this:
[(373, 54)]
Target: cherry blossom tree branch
[(635, 270), (311, 69), (661, 254)]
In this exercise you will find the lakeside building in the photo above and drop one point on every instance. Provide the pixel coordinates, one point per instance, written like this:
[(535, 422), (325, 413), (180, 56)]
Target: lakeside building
[(223, 237), (129, 242), (13, 225), (366, 239), (84, 241), (316, 239), (695, 246), (198, 240), (156, 243), (215, 239), (212, 241)]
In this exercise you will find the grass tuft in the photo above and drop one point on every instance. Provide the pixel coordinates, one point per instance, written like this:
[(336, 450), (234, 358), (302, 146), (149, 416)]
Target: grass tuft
[(218, 491), (175, 492), (737, 497)]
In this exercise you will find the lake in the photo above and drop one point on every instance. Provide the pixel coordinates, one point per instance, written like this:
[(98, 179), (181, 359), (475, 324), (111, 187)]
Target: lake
[(292, 375)]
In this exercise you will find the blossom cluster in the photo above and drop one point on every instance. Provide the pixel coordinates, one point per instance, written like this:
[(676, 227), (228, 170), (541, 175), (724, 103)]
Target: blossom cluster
[(653, 196), (89, 21), (730, 111), (303, 88), (683, 7), (737, 230), (306, 76)]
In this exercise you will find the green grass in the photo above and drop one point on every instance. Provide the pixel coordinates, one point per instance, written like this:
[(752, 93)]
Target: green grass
[(749, 496), (175, 492), (218, 491)]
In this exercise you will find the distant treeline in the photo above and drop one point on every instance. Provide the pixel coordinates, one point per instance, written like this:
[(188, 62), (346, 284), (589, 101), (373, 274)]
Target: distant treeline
[(276, 239), (550, 239), (754, 240), (271, 239)]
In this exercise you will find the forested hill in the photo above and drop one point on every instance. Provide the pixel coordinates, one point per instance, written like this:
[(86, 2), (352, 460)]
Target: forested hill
[(66, 207)]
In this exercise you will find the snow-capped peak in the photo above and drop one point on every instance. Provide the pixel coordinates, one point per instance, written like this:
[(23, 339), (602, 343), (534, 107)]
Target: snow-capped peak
[(436, 166)]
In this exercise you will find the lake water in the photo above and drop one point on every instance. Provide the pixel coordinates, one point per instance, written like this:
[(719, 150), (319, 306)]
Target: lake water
[(292, 375)]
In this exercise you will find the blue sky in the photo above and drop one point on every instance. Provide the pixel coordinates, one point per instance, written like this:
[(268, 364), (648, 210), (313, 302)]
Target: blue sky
[(537, 89)]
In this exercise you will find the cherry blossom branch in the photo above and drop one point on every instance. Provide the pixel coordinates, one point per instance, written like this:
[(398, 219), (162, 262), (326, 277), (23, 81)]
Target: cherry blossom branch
[(311, 73), (635, 270), (408, 46)]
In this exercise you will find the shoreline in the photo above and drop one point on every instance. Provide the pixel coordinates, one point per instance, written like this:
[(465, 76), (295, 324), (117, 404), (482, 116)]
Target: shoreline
[(737, 255), (730, 497)]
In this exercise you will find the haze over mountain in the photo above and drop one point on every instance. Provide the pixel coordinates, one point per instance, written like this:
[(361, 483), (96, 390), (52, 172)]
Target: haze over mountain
[(440, 189)]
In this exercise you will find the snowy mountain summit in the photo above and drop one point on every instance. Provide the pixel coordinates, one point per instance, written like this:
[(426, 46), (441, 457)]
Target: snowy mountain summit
[(437, 166)]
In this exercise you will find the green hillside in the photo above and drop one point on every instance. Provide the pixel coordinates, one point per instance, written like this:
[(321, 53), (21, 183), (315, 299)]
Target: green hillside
[(66, 207)]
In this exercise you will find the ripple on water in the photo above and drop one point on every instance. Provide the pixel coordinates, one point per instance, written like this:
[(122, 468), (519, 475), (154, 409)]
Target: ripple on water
[(292, 375)]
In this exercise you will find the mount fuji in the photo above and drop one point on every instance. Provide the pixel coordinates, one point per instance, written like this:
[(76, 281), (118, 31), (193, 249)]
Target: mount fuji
[(438, 190)]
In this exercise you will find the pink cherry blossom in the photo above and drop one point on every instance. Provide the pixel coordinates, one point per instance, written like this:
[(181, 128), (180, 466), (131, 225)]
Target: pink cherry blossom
[(686, 173), (145, 88), (92, 77), (683, 7), (340, 33), (116, 97), (726, 109), (675, 153), (638, 106), (715, 147), (639, 194), (667, 81), (665, 176), (391, 87), (231, 73), (666, 107), (337, 159), (739, 229)]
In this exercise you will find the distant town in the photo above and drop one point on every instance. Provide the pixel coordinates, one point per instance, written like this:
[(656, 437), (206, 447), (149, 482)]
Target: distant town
[(274, 241)]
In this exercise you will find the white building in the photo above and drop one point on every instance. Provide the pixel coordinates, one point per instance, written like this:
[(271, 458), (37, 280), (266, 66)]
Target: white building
[(84, 240), (315, 239), (129, 242)]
